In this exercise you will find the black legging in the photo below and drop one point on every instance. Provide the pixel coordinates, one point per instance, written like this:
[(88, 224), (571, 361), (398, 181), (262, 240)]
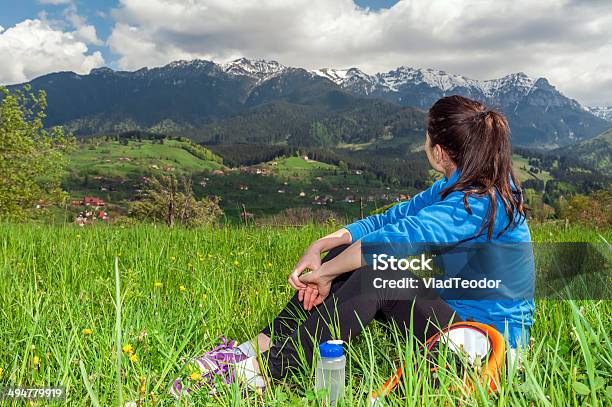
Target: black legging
[(348, 308)]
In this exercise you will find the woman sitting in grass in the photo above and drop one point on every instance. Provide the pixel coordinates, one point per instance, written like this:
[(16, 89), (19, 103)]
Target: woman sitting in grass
[(478, 199)]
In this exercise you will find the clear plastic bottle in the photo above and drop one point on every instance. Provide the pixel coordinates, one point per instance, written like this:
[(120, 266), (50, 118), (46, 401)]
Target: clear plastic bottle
[(329, 371)]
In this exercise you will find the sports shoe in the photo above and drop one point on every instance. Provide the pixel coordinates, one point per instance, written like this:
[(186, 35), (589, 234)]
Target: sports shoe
[(218, 362)]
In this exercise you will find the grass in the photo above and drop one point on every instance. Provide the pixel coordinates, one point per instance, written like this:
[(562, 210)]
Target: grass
[(60, 283), (113, 159), (521, 167)]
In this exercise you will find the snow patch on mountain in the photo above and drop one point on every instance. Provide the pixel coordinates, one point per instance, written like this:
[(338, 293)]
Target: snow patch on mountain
[(394, 80), (516, 82), (255, 68), (352, 78), (604, 112)]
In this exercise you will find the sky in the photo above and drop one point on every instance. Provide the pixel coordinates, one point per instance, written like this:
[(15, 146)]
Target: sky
[(569, 42)]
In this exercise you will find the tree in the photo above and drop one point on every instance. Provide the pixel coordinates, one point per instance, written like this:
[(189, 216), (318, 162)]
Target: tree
[(32, 158), (594, 209), (170, 200)]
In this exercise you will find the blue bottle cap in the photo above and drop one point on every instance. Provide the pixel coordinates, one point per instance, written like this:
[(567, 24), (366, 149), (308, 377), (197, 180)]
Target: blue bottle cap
[(331, 350)]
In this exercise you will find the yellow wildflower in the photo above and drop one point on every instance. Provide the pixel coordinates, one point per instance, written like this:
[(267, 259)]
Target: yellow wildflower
[(173, 258), (133, 357), (1, 371), (182, 288), (78, 236), (236, 263), (269, 264), (35, 360), (87, 331), (158, 284), (195, 376), (128, 348)]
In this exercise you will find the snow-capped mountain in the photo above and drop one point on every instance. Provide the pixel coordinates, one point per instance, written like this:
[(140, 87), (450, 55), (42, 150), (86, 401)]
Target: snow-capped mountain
[(539, 114), (255, 68), (352, 79), (509, 88), (604, 112), (194, 93)]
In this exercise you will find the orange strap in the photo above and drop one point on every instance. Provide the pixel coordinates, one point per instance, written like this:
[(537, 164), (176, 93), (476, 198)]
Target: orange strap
[(491, 369)]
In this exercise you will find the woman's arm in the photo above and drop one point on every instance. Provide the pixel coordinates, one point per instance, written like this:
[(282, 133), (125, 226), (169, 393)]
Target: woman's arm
[(373, 223), (311, 259)]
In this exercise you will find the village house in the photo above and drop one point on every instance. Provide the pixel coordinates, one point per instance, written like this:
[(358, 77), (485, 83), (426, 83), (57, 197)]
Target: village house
[(92, 201)]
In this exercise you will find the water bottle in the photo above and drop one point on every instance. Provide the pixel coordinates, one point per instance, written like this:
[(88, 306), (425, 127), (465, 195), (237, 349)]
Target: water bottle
[(329, 372)]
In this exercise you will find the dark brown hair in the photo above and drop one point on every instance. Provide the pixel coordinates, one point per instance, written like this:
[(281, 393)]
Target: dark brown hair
[(477, 140)]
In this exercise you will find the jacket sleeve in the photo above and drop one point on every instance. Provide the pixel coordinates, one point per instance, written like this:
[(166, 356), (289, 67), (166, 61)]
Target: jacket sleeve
[(373, 223), (444, 221)]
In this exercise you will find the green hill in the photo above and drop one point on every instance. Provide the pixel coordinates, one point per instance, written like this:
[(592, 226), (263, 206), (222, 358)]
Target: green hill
[(525, 171), (596, 152), (130, 157), (112, 169)]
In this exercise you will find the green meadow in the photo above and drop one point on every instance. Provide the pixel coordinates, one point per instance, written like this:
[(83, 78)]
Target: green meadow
[(67, 314)]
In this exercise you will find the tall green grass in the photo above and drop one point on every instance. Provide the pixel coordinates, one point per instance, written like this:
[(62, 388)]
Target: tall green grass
[(174, 292)]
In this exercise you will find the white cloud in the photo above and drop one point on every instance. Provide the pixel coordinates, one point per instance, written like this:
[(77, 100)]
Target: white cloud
[(568, 42), (83, 31), (32, 48)]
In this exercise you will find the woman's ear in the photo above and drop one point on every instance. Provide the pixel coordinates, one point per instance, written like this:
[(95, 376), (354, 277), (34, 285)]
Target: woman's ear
[(439, 154)]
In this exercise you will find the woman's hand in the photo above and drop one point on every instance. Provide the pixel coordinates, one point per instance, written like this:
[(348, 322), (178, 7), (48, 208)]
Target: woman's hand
[(310, 260), (317, 288)]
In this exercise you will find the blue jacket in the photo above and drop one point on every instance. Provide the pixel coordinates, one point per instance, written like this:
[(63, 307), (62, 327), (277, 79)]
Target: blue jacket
[(426, 218)]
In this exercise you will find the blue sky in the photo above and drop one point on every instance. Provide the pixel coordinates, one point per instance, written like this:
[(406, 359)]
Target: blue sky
[(96, 12), (567, 41)]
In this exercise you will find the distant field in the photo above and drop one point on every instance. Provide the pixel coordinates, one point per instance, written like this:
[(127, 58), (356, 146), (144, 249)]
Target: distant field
[(180, 289), (112, 171), (521, 167), (113, 159)]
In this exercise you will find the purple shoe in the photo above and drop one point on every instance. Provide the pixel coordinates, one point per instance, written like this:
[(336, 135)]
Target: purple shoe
[(218, 362)]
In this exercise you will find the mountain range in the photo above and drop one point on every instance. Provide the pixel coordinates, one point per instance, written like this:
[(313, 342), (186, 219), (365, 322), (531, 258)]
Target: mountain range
[(263, 101)]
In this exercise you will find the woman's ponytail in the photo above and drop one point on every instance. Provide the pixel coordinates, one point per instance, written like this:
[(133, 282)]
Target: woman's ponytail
[(477, 139)]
